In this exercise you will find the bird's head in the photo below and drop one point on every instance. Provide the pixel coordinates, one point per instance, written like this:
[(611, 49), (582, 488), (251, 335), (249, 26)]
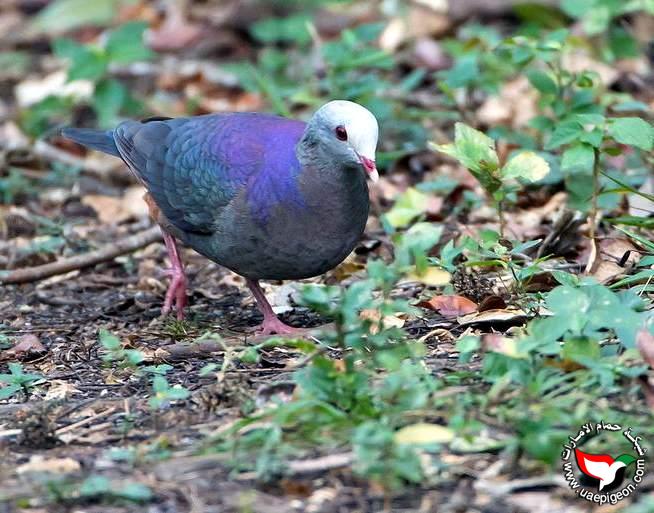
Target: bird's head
[(349, 133)]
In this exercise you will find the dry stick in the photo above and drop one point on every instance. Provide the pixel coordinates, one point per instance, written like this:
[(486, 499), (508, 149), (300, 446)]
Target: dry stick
[(592, 218), (103, 254)]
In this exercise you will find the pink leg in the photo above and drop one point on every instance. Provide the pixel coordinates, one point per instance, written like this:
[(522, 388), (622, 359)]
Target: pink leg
[(177, 289), (271, 323)]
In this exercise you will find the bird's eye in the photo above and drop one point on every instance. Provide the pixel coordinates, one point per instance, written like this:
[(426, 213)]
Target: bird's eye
[(341, 133)]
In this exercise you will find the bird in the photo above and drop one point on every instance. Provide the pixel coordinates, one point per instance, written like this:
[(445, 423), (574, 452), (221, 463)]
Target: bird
[(268, 197)]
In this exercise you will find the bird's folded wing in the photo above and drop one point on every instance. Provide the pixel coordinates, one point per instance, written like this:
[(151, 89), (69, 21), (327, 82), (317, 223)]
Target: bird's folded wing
[(192, 168)]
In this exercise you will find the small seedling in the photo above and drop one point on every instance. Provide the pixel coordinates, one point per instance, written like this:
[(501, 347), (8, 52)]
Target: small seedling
[(114, 351), (164, 393), (17, 381)]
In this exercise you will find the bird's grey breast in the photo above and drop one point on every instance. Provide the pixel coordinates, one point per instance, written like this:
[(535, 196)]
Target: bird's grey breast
[(298, 239)]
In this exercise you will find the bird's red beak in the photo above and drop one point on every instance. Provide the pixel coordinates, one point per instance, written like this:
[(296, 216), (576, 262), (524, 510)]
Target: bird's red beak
[(370, 167)]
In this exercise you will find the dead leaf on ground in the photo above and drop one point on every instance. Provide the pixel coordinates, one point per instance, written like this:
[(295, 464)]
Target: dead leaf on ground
[(515, 105), (645, 344), (111, 209), (39, 464), (419, 21), (647, 385), (580, 61), (176, 32), (504, 315), (498, 343), (492, 303), (28, 346), (60, 390), (423, 433), (390, 321), (450, 306), (433, 276)]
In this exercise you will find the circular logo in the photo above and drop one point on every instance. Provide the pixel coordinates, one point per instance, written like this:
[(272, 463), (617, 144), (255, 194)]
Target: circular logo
[(609, 476)]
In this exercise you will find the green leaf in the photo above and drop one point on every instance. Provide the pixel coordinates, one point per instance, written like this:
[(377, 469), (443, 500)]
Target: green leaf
[(125, 44), (109, 98), (594, 137), (542, 81), (597, 19), (63, 15), (578, 348), (9, 390), (291, 29), (577, 8), (409, 205), (578, 158), (177, 392), (108, 340), (526, 165), (564, 133), (85, 62), (476, 151), (95, 485), (632, 131), (136, 492)]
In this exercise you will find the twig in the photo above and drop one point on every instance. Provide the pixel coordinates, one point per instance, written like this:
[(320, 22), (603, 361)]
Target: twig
[(307, 467), (103, 254), (84, 422), (594, 211)]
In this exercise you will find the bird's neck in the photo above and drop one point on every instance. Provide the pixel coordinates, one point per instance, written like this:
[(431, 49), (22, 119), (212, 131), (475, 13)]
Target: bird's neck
[(311, 154)]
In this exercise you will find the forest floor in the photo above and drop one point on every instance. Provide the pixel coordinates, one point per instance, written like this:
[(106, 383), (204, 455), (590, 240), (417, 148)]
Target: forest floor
[(108, 407)]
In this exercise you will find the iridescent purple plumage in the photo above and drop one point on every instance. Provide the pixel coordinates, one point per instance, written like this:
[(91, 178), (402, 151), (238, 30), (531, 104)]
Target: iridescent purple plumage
[(268, 197)]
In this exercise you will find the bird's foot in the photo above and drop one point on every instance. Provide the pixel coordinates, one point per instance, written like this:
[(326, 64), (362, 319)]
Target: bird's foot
[(274, 326), (176, 293)]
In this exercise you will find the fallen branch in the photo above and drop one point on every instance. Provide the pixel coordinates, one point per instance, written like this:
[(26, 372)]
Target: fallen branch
[(103, 254)]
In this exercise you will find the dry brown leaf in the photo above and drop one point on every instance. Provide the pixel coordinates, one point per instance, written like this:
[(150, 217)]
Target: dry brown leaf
[(111, 209), (645, 344), (498, 343), (492, 303), (423, 433), (580, 60), (433, 276), (617, 250), (491, 316), (28, 345), (450, 306), (108, 208), (60, 390), (38, 464), (606, 272), (516, 104), (647, 385), (419, 21), (390, 321), (176, 32)]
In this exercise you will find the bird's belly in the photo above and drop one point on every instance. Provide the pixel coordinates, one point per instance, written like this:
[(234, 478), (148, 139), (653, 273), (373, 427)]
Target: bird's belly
[(292, 245)]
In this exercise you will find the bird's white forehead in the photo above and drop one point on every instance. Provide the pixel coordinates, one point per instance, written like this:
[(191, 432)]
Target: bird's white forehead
[(360, 123)]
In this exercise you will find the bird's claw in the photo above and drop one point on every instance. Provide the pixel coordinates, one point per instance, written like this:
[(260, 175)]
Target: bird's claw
[(176, 293), (274, 326)]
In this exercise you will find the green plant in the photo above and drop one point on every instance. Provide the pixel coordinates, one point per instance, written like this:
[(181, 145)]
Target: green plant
[(114, 351), (476, 151), (97, 488), (164, 393), (17, 381), (110, 97)]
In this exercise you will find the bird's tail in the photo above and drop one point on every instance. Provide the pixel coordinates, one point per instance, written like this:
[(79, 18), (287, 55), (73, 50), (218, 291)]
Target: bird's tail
[(101, 140)]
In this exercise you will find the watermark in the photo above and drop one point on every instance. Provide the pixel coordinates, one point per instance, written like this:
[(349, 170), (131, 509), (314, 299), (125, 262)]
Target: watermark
[(601, 478)]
